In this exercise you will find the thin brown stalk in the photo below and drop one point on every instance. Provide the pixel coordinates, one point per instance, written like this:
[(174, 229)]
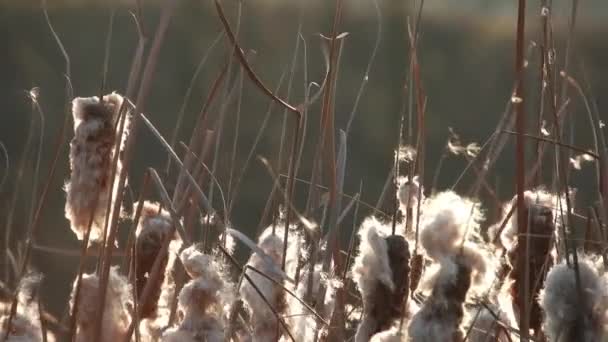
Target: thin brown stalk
[(138, 57), (594, 125), (243, 60), (331, 170), (235, 140), (38, 109), (272, 197), (230, 92), (132, 232), (81, 265), (143, 92), (122, 119), (522, 220), (253, 77), (106, 54)]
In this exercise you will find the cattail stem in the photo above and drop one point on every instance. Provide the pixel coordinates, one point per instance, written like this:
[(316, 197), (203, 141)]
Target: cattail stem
[(522, 219)]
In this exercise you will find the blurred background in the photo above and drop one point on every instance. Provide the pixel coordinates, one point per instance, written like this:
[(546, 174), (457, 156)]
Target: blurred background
[(466, 52)]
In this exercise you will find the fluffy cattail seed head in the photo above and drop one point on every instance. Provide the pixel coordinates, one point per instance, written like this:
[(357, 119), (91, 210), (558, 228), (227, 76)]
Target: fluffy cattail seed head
[(92, 151), (116, 314), (573, 313)]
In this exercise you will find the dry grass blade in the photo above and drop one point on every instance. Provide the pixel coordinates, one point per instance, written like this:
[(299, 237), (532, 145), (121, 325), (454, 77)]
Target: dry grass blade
[(136, 64)]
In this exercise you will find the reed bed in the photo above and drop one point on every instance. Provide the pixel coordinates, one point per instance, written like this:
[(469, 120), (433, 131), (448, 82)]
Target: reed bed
[(162, 260)]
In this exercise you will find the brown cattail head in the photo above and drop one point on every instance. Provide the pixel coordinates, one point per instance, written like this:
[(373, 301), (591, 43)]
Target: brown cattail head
[(153, 227), (92, 152), (389, 304), (381, 272), (442, 313), (459, 264), (542, 210), (152, 328)]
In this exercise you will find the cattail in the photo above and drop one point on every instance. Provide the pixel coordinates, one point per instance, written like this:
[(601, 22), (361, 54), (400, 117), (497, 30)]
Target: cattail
[(152, 327), (117, 307), (381, 273), (25, 324), (264, 322), (440, 317), (447, 218), (574, 313), (202, 301), (92, 152), (542, 210), (449, 236), (153, 227)]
